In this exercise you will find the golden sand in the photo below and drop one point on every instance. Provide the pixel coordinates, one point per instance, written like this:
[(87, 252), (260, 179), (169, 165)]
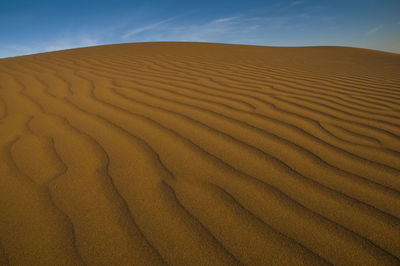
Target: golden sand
[(200, 154)]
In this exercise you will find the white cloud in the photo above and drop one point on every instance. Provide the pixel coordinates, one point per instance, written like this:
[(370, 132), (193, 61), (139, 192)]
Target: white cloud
[(221, 20), (374, 30), (220, 30), (144, 28), (214, 30), (230, 29)]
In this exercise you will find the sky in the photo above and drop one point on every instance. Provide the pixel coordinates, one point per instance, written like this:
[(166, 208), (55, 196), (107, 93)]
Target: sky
[(28, 27)]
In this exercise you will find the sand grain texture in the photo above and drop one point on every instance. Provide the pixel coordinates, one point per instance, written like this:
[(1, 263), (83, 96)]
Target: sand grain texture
[(200, 154)]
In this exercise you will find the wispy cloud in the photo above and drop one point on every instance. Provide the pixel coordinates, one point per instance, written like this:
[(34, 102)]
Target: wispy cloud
[(230, 29), (145, 28), (241, 29), (215, 30), (374, 30), (221, 20)]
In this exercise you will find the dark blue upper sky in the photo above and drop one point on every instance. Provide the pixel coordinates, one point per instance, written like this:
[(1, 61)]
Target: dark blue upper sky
[(37, 26)]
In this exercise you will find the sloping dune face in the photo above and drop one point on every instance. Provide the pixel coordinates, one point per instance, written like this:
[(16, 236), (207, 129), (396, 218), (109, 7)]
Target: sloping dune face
[(200, 154)]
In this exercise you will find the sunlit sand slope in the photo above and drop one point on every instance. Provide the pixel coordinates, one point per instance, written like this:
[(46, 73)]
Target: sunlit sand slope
[(200, 154)]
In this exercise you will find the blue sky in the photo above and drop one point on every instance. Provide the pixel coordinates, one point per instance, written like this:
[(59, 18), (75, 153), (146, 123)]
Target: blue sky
[(28, 27)]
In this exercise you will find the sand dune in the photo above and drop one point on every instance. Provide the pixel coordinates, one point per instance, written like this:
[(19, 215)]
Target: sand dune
[(200, 154)]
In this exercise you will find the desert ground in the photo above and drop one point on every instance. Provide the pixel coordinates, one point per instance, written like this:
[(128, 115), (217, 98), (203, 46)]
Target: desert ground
[(200, 154)]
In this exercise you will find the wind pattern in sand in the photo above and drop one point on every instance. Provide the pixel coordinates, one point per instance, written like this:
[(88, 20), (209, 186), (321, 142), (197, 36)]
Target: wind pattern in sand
[(200, 154)]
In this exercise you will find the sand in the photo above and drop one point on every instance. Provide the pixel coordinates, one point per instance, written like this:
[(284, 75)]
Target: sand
[(200, 154)]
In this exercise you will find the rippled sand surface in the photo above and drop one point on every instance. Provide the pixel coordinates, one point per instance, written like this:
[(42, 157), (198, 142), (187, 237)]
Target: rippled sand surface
[(200, 154)]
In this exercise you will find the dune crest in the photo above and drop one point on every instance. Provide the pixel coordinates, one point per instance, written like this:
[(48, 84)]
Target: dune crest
[(200, 154)]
